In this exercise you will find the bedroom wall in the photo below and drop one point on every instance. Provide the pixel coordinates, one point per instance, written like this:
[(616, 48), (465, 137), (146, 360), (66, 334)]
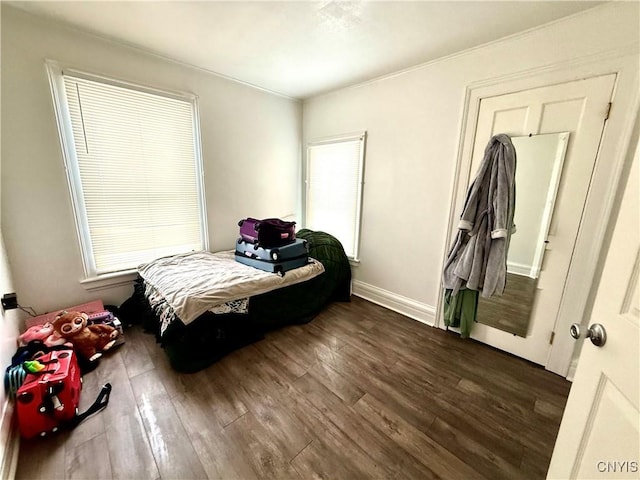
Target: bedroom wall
[(9, 330), (414, 121), (245, 133), (9, 326)]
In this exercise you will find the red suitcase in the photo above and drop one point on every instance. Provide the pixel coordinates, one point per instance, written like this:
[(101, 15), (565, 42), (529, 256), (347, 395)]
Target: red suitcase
[(49, 398), (267, 233), (47, 401)]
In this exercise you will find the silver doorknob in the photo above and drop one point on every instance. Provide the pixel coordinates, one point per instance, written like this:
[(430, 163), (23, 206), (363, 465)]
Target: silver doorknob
[(596, 333), (574, 330)]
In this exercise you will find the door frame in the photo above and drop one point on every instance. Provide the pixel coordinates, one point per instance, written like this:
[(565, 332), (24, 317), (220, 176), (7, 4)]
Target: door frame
[(578, 294)]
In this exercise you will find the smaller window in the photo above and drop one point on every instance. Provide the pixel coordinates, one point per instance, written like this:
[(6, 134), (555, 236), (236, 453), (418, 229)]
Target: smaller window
[(333, 203)]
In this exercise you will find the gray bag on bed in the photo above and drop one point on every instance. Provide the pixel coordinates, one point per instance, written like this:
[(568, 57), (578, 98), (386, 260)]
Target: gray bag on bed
[(276, 260)]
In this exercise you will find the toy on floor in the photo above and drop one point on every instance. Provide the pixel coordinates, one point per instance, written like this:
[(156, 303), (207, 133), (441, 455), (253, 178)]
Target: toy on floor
[(33, 366), (45, 333), (89, 340)]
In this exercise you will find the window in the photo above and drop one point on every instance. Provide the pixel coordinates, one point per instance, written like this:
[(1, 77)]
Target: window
[(334, 188), (133, 163)]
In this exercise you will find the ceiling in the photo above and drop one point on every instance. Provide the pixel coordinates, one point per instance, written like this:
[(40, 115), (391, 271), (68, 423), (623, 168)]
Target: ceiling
[(304, 48)]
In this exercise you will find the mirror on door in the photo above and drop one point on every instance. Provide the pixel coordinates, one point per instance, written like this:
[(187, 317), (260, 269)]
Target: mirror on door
[(539, 166)]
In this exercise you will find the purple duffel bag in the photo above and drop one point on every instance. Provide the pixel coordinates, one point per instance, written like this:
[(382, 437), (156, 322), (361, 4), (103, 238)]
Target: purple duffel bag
[(268, 233)]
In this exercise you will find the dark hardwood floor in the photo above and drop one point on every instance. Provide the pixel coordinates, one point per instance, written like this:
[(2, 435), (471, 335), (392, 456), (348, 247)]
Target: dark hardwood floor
[(360, 392)]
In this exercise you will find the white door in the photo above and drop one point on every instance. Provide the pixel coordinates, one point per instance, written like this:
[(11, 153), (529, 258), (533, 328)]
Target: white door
[(580, 108), (599, 435)]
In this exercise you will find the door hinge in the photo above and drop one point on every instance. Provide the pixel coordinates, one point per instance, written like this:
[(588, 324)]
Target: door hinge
[(606, 116), (553, 335)]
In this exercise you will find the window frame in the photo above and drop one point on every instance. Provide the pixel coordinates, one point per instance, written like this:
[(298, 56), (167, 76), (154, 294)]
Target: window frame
[(56, 72), (335, 139)]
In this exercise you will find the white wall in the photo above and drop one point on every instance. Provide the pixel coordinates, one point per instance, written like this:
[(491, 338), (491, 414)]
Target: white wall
[(250, 144), (9, 330), (9, 324), (8, 320), (413, 120)]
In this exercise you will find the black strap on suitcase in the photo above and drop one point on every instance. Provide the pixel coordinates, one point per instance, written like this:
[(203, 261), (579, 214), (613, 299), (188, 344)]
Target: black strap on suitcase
[(101, 402)]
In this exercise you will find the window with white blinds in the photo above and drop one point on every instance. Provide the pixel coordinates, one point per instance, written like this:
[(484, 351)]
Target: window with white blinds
[(134, 168), (334, 188)]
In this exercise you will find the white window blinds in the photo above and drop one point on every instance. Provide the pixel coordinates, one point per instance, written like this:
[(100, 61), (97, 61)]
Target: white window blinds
[(334, 189), (135, 173)]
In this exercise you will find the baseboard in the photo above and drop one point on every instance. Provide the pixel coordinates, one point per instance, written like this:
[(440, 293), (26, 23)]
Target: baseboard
[(520, 269), (9, 442), (410, 308)]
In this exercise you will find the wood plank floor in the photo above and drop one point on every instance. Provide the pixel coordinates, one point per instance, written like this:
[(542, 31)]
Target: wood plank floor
[(360, 392)]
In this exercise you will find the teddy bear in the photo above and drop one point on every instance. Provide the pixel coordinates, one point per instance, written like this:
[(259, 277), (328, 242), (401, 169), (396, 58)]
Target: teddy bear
[(88, 340), (44, 333)]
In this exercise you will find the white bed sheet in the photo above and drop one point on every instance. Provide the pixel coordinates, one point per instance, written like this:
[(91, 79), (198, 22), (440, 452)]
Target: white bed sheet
[(195, 282)]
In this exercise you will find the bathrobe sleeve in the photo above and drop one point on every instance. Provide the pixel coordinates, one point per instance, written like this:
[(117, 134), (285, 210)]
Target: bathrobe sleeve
[(503, 198)]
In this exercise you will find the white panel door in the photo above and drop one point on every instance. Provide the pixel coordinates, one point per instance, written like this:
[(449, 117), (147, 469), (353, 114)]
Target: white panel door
[(599, 435), (577, 107)]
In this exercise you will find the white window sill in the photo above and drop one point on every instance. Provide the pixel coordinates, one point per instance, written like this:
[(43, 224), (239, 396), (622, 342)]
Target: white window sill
[(109, 280), (354, 262)]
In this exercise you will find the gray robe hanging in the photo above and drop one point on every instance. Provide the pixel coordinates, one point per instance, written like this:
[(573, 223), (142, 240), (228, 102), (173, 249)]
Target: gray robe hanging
[(477, 259)]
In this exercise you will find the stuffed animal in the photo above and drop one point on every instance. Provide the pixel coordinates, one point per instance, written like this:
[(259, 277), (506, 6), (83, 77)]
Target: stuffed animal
[(88, 340), (45, 333)]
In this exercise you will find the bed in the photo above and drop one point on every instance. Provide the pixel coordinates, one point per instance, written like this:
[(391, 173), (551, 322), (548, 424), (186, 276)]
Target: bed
[(205, 334)]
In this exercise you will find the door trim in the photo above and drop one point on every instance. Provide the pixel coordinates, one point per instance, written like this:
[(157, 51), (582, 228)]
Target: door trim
[(615, 141)]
